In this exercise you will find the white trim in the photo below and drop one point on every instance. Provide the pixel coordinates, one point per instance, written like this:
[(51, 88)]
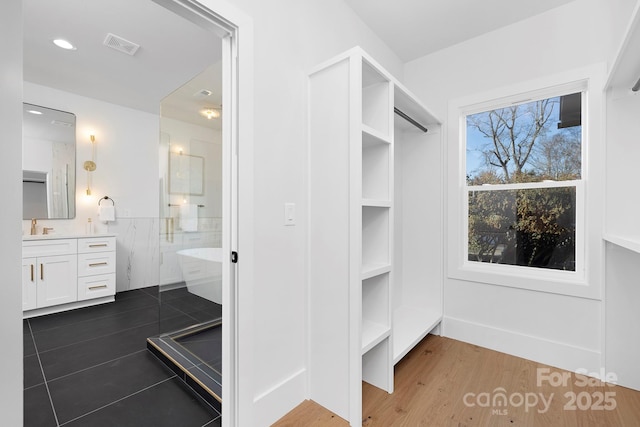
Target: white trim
[(541, 350), (279, 399), (236, 30), (586, 281), (576, 277), (523, 97), (69, 306), (525, 185)]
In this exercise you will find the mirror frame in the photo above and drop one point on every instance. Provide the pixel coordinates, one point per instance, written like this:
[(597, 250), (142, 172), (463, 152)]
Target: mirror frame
[(57, 127)]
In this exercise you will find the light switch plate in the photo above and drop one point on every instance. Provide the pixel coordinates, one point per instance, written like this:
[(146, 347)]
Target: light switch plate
[(289, 214)]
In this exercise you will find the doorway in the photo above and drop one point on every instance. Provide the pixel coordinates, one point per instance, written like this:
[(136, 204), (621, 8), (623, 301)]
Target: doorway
[(124, 170), (199, 218)]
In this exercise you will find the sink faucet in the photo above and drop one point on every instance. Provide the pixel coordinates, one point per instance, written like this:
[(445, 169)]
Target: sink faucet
[(46, 230), (33, 227)]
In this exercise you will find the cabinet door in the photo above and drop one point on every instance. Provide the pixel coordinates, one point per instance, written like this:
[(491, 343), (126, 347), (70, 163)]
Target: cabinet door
[(57, 280), (29, 283)]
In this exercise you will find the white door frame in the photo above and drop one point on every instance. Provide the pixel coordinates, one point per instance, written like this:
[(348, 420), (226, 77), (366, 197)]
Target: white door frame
[(236, 31)]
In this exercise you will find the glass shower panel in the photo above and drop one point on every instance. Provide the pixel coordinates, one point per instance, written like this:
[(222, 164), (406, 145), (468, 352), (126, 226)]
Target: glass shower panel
[(190, 185)]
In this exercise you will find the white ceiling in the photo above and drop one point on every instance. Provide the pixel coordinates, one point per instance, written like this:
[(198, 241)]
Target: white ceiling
[(414, 28), (174, 50)]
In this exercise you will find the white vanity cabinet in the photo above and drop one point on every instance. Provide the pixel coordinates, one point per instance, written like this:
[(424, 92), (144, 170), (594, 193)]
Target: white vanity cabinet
[(96, 267), (64, 273), (29, 291), (49, 273)]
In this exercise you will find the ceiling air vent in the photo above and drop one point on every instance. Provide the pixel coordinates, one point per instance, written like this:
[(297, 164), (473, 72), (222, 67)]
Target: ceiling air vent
[(120, 44), (203, 93)]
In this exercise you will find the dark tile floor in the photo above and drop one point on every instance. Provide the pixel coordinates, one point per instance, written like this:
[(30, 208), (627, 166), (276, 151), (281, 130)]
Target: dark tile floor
[(90, 367)]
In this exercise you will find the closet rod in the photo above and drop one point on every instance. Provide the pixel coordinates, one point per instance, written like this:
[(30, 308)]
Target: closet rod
[(409, 119)]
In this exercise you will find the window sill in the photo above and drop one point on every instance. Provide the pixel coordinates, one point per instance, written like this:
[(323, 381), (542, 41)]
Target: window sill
[(532, 279)]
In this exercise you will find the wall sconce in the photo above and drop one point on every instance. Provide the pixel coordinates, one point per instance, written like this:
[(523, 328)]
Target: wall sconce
[(90, 165)]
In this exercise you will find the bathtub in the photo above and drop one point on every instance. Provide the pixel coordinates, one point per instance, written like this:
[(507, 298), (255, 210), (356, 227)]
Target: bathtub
[(202, 272)]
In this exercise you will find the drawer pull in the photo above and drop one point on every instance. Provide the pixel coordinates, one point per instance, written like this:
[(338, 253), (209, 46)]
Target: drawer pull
[(96, 264), (101, 245), (91, 288), (32, 272), (41, 271)]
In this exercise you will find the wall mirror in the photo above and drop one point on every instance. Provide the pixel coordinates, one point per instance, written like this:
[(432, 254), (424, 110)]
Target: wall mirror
[(48, 163), (186, 174)]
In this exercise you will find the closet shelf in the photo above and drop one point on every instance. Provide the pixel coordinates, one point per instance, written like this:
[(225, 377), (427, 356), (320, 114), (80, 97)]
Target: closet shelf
[(632, 244), (376, 203), (373, 334), (371, 136), (409, 104), (410, 325), (373, 270)]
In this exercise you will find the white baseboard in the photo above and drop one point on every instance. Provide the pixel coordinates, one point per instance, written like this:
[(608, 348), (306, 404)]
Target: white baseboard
[(553, 353), (273, 404), (69, 306)]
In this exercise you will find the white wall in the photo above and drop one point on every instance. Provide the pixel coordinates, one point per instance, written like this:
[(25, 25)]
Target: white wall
[(555, 329), (11, 213), (126, 149)]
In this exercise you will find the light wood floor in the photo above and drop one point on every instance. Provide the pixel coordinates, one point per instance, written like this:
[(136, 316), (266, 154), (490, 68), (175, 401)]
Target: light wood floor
[(447, 383)]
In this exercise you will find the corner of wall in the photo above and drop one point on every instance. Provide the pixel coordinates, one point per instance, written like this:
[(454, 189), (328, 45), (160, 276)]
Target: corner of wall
[(272, 404), (10, 228)]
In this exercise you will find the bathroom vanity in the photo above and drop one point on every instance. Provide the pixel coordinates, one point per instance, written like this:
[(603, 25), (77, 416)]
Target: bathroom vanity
[(65, 272)]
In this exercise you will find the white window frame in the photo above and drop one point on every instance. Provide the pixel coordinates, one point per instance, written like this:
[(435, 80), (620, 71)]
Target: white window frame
[(586, 280)]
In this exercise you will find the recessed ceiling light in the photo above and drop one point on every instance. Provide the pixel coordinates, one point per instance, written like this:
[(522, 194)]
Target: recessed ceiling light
[(64, 44), (210, 113), (34, 112)]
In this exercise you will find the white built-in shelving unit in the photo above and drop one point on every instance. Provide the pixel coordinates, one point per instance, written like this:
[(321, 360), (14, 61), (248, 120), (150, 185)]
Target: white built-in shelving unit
[(373, 291), (622, 229), (623, 150)]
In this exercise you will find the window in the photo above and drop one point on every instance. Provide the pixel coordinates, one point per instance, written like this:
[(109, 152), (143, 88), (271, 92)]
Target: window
[(523, 182), (525, 185)]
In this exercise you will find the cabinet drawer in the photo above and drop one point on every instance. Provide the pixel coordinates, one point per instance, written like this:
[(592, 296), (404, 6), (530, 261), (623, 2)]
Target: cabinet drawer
[(98, 286), (98, 263), (49, 247), (96, 244)]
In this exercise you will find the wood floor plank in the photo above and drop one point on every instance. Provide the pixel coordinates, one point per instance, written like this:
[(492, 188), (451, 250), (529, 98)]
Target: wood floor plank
[(310, 414), (448, 383)]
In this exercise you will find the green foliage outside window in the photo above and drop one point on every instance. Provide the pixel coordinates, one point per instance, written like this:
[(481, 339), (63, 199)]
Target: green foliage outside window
[(536, 142)]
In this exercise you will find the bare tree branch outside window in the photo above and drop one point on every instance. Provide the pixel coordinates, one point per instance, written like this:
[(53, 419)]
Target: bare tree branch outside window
[(518, 144)]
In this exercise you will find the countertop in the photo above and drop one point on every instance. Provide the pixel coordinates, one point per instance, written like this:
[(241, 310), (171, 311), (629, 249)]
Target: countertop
[(54, 236)]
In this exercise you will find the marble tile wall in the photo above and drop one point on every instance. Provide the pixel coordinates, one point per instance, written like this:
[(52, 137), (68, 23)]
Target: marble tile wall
[(137, 263), (139, 242)]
